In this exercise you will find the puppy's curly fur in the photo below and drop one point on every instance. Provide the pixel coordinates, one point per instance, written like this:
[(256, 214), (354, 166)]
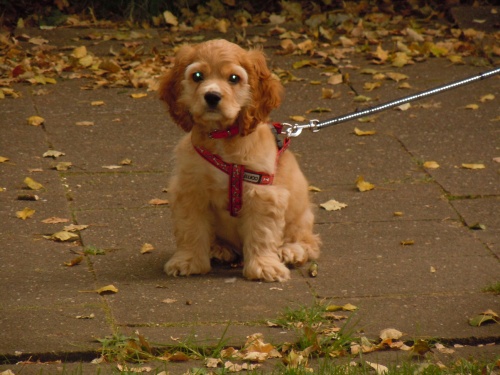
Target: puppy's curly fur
[(215, 85)]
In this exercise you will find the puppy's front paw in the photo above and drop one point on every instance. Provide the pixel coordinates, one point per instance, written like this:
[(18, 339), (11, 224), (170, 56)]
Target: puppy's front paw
[(185, 264), (267, 268), (292, 253)]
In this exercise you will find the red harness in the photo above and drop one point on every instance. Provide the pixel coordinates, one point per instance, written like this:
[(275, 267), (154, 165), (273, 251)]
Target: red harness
[(238, 173)]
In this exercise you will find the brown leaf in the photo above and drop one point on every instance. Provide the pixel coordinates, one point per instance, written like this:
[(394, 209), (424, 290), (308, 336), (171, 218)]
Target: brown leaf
[(54, 220), (158, 202), (35, 120), (74, 261)]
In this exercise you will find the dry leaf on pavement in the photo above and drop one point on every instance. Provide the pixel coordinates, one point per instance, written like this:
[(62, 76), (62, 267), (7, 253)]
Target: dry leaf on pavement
[(35, 120), (333, 205), (25, 213), (32, 184), (363, 185)]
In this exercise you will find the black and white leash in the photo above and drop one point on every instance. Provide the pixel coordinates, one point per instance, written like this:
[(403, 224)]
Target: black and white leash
[(294, 130)]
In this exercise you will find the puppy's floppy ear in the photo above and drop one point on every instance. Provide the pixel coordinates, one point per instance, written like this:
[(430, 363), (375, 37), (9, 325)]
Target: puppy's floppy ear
[(267, 92), (170, 88)]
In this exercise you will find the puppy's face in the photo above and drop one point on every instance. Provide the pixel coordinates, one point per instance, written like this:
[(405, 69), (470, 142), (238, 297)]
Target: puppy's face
[(214, 91), (217, 84)]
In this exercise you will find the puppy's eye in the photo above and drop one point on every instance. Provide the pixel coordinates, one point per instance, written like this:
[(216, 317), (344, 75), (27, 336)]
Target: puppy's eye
[(197, 76), (233, 78)]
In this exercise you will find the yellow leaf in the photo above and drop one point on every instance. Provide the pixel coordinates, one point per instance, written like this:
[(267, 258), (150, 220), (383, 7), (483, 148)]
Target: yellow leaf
[(404, 107), (333, 205), (456, 59), (84, 123), (63, 236), (369, 86), (107, 289), (472, 106), (138, 95), (35, 120), (298, 118), (327, 93), (313, 188), (396, 76), (486, 97), (367, 119), (362, 99), (170, 19), (473, 166), (302, 64), (363, 185), (32, 184), (3, 159), (335, 79), (147, 248), (363, 132), (25, 214), (431, 165), (79, 52), (401, 59), (97, 103)]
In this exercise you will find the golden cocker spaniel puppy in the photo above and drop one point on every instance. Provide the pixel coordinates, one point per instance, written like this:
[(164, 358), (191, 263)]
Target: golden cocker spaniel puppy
[(236, 191)]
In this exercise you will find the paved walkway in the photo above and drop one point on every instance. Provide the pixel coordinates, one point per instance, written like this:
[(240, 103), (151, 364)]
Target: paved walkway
[(404, 253)]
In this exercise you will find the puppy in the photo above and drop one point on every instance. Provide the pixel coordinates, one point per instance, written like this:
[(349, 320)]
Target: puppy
[(235, 191)]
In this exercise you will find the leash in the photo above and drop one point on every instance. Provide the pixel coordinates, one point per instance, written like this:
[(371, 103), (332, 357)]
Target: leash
[(315, 126)]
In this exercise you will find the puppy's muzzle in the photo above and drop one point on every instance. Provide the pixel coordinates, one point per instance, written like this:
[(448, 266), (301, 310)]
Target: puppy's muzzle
[(212, 98)]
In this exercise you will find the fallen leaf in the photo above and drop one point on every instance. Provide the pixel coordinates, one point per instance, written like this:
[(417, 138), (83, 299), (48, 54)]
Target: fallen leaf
[(335, 79), (313, 188), (138, 95), (420, 348), (25, 213), (407, 242), (298, 118), (53, 154), (363, 185), (97, 103), (442, 349), (212, 362), (126, 162), (74, 261), (147, 248), (369, 86), (32, 184), (473, 166), (398, 213), (107, 289), (390, 333), (362, 98), (79, 52), (158, 202), (333, 205), (35, 120), (456, 59), (75, 228), (111, 166), (63, 166), (367, 119), (360, 132), (54, 220), (396, 76), (302, 64), (318, 110), (433, 269), (471, 106), (486, 97), (478, 226), (404, 107), (170, 19), (3, 159), (85, 123), (63, 236), (379, 369), (484, 318), (346, 307), (431, 165), (90, 316), (328, 93)]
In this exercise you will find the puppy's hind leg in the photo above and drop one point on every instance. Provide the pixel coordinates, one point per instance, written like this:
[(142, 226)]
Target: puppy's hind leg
[(194, 234)]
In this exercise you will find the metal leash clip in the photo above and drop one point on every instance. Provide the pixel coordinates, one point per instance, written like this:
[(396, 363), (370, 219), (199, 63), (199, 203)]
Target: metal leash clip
[(292, 131)]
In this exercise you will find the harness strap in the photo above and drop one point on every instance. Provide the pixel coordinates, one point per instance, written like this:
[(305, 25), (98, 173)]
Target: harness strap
[(238, 173)]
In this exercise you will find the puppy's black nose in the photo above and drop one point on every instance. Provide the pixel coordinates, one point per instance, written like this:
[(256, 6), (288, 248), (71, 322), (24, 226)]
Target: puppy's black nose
[(213, 98)]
